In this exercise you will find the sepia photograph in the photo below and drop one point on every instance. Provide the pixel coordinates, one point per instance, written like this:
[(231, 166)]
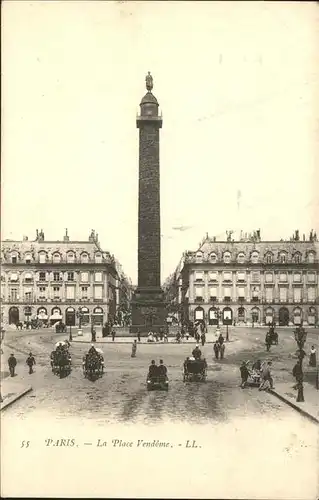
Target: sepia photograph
[(159, 250)]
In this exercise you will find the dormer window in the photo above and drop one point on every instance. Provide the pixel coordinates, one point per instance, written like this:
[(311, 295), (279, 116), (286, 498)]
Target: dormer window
[(42, 257), (98, 258), (269, 258), (199, 255), (84, 258), (241, 258), (226, 257), (28, 258), (311, 257), (56, 258), (282, 258), (14, 258), (70, 257), (254, 257), (213, 257), (297, 258)]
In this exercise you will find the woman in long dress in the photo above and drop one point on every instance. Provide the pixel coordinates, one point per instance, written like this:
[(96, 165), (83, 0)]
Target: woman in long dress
[(312, 357), (134, 347)]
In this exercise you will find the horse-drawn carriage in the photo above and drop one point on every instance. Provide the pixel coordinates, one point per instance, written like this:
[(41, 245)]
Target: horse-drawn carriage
[(157, 382), (93, 363), (271, 338), (195, 370), (61, 359)]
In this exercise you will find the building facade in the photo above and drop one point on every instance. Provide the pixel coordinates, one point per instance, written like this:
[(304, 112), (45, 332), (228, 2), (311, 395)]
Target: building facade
[(248, 281), (46, 279)]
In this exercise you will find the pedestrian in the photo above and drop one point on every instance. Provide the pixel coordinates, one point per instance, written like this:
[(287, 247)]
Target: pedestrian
[(30, 362), (267, 380), (244, 373), (216, 349), (134, 347), (165, 338), (312, 357), (12, 362), (203, 338), (197, 352), (93, 333), (138, 336), (113, 335), (162, 370)]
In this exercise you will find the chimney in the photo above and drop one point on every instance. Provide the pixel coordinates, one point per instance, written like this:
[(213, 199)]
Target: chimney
[(66, 236)]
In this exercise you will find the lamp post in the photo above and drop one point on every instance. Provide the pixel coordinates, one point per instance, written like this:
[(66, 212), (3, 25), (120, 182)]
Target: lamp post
[(300, 337)]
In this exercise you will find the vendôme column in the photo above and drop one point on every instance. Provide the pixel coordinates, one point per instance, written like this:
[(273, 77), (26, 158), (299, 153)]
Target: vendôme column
[(148, 308)]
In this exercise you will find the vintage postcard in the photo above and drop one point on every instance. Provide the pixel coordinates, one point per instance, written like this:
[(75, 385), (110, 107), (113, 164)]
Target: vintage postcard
[(159, 250)]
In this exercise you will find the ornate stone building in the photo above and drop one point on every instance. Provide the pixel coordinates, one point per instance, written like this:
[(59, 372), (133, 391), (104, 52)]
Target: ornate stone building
[(248, 281), (45, 279)]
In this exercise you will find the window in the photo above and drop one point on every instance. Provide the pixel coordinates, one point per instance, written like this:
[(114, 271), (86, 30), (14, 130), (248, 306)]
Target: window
[(227, 292), (283, 277), (254, 257), (42, 276), (199, 255), (297, 258), (269, 258), (213, 257), (241, 276), (42, 258), (213, 292), (84, 258), (255, 277), (98, 277), (56, 292), (241, 292), (70, 292), (84, 290), (14, 260), (27, 294), (27, 258), (227, 276), (269, 294), (227, 257), (311, 257), (297, 278), (269, 277), (28, 278), (70, 276), (283, 294), (14, 294), (199, 276), (282, 258), (13, 277), (70, 257), (98, 258), (85, 277), (241, 258), (56, 258), (297, 294), (42, 292), (311, 294), (311, 277), (199, 293), (212, 276), (98, 292), (56, 276)]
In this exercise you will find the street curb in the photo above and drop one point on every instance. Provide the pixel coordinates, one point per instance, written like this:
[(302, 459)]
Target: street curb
[(296, 407), (14, 398), (142, 343)]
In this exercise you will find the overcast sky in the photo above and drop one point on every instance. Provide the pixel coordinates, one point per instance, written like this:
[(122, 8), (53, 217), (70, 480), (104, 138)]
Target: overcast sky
[(238, 87)]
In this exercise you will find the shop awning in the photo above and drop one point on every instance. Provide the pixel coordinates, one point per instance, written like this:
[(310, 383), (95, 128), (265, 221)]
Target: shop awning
[(42, 316), (56, 316)]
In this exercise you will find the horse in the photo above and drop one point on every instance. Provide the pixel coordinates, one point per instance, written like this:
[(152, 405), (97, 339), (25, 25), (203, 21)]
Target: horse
[(62, 362), (93, 365)]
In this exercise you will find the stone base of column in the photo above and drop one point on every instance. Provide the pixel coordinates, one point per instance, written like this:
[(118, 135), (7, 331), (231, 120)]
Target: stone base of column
[(148, 311)]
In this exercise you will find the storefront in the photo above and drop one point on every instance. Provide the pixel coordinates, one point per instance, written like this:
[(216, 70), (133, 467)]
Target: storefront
[(55, 315), (97, 316)]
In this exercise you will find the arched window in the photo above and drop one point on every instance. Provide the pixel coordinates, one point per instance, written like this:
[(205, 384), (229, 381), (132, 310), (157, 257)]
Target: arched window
[(226, 257), (213, 257), (70, 257), (56, 258), (283, 258), (311, 257), (84, 258), (241, 258), (14, 257), (28, 258), (42, 257), (297, 258), (199, 255), (199, 314), (269, 258), (254, 257)]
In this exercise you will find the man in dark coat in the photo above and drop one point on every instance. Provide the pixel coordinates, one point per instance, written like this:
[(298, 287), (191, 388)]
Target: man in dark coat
[(162, 370), (244, 373), (30, 362), (12, 362), (152, 371), (197, 352)]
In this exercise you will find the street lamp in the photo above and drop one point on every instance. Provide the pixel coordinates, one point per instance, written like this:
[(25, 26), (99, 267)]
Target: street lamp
[(300, 337)]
